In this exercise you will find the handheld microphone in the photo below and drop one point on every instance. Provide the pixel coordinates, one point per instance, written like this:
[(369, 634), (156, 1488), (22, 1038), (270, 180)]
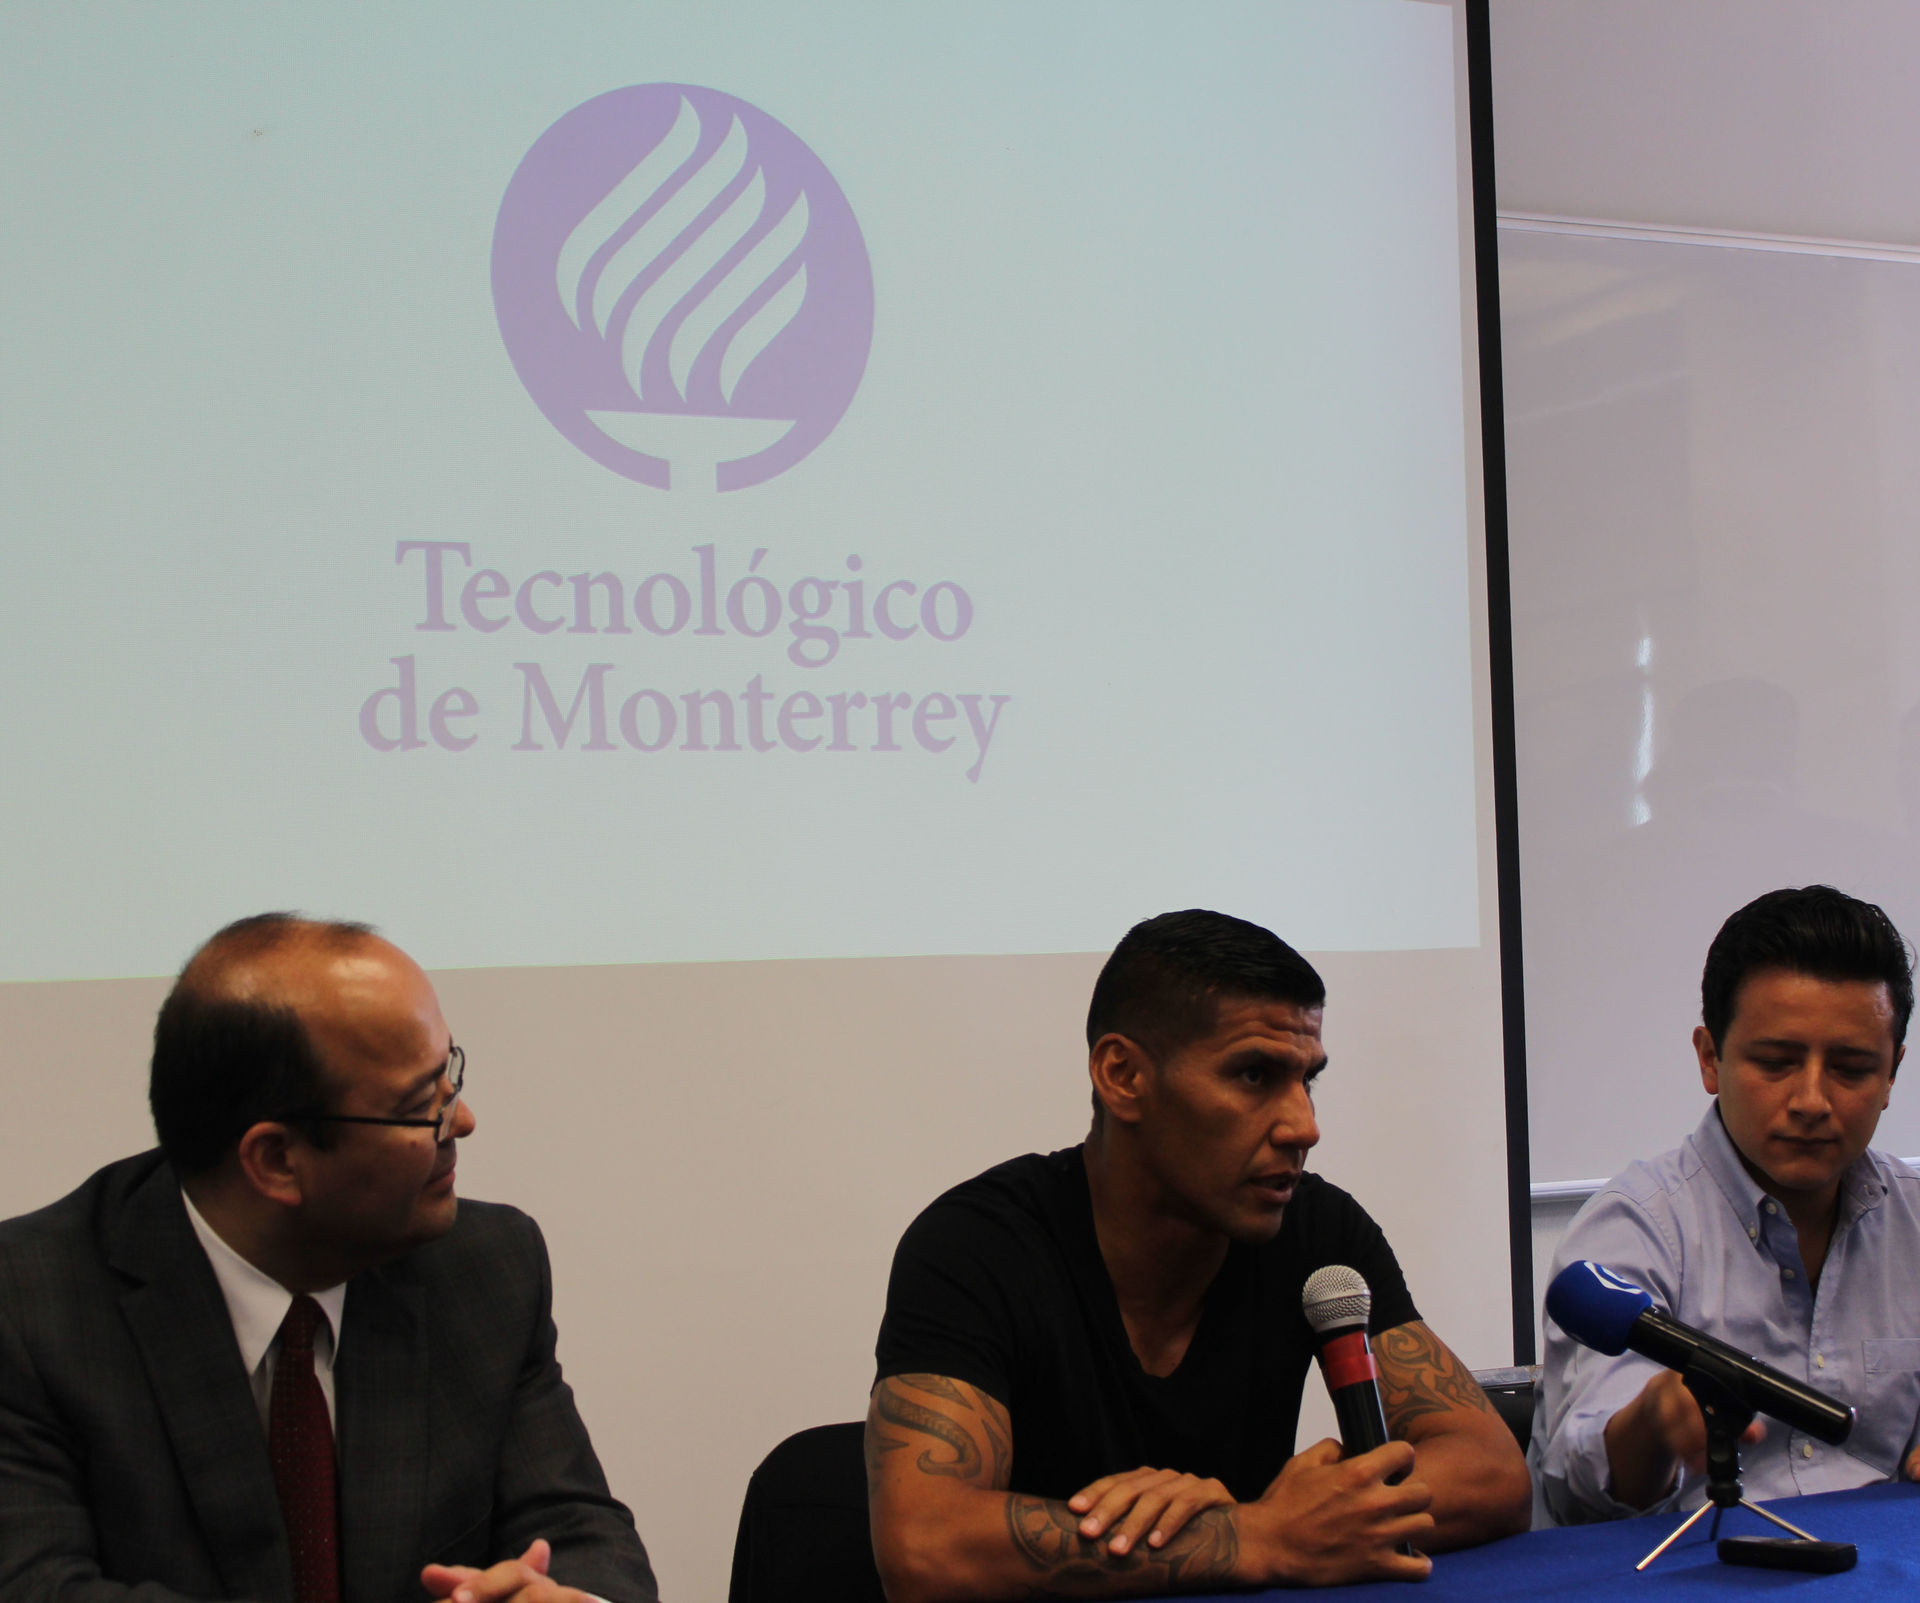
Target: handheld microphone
[(1336, 1302), (1599, 1309)]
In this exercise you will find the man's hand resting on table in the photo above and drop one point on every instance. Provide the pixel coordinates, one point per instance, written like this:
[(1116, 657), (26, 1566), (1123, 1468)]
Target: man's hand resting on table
[(1151, 1503), (1322, 1520), (523, 1580)]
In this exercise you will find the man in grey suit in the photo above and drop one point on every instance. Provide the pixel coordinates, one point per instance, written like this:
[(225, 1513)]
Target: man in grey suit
[(277, 1359)]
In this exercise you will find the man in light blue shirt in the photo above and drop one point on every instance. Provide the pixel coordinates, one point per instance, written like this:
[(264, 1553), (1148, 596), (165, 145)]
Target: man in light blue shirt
[(1772, 1227)]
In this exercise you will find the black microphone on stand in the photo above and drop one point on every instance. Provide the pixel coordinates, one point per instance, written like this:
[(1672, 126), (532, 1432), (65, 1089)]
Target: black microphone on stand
[(1599, 1309)]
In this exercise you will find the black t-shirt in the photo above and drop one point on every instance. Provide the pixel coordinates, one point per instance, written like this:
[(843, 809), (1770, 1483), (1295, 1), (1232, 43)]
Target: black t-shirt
[(1000, 1283)]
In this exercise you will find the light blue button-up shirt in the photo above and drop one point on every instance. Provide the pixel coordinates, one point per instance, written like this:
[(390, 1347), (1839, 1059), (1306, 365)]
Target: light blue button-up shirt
[(1693, 1230)]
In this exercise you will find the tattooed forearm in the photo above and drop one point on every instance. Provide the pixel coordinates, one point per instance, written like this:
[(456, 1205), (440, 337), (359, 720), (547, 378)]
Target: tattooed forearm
[(1046, 1535), (932, 1517), (1419, 1377)]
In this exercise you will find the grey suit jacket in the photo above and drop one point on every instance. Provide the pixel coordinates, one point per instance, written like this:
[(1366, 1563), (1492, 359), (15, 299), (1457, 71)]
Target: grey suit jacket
[(133, 1466)]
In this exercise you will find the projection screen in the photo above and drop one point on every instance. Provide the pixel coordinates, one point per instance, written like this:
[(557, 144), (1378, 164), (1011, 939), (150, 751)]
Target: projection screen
[(755, 541)]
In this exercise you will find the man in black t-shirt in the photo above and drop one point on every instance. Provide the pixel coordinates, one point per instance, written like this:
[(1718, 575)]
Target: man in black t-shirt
[(1091, 1364)]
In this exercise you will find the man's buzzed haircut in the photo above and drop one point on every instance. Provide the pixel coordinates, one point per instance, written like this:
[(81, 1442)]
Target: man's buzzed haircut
[(222, 1061), (1817, 931), (1165, 981)]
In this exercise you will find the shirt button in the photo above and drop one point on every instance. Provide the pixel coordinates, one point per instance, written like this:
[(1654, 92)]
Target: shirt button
[(1771, 1208), (1806, 1449), (1753, 1232), (1820, 1360), (1786, 1274)]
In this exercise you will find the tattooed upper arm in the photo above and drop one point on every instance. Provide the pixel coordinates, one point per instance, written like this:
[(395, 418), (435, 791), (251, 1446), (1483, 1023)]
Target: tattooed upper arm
[(1420, 1378), (940, 1427)]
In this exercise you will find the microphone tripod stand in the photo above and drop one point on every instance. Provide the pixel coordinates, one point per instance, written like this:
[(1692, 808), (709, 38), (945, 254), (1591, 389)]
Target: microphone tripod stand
[(1727, 1416)]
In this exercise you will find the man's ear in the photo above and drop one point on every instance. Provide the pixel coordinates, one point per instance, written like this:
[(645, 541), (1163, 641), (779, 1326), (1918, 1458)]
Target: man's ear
[(1709, 1056), (267, 1160), (1118, 1067)]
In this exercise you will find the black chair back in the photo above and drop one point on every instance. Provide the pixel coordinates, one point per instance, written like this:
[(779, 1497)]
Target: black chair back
[(1512, 1393), (803, 1526)]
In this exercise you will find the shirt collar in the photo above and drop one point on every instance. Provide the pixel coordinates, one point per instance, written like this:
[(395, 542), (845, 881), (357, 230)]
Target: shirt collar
[(1864, 1187), (1861, 1188), (256, 1302)]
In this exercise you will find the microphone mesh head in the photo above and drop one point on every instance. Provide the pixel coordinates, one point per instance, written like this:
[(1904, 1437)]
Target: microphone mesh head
[(1334, 1297), (1596, 1307)]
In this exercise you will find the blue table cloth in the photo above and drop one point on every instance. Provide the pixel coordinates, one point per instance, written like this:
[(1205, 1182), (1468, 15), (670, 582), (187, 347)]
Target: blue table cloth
[(1593, 1562)]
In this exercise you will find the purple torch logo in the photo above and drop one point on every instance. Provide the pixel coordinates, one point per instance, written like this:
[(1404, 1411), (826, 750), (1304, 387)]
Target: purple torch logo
[(682, 287)]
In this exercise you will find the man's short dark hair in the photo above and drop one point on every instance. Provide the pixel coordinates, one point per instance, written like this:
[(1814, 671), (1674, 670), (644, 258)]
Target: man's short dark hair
[(222, 1061), (1166, 979), (1817, 931)]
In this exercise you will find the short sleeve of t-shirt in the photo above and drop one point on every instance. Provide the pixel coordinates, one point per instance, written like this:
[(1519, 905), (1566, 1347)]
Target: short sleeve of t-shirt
[(1341, 1231), (960, 1275)]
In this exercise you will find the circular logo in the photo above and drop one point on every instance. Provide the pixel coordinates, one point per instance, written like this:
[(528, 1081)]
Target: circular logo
[(682, 287)]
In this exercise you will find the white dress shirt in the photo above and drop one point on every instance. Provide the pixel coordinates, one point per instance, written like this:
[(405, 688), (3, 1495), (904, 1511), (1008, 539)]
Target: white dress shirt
[(257, 1303)]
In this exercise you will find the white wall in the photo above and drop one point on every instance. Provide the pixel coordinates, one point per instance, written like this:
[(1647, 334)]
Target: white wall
[(1773, 121), (1770, 116)]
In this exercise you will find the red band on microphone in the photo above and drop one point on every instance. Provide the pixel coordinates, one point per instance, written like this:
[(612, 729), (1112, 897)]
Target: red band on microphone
[(1348, 1360)]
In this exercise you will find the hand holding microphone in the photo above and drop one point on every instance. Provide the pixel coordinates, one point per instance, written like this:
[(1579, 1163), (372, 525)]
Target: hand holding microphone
[(1337, 1302), (1328, 1520), (1335, 1515)]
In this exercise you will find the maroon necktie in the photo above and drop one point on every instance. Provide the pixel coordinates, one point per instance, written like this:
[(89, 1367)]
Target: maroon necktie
[(300, 1443)]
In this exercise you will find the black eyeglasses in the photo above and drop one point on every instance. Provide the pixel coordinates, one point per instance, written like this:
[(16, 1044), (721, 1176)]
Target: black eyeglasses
[(441, 1124)]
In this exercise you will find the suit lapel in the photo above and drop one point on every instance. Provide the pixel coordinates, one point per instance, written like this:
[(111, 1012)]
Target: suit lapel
[(180, 1323), (380, 1405)]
